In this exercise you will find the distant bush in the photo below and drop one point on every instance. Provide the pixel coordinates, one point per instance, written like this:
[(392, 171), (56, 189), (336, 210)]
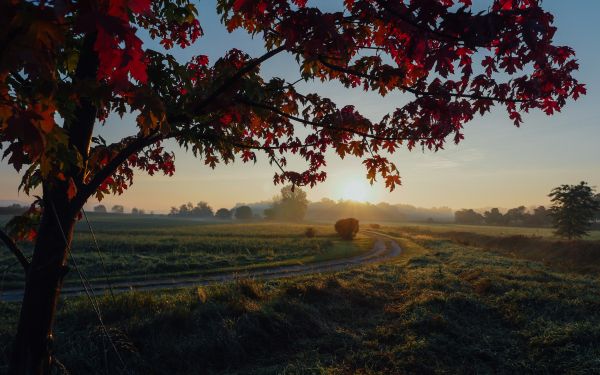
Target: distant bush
[(310, 232), (347, 228), (223, 214), (243, 213), (375, 226)]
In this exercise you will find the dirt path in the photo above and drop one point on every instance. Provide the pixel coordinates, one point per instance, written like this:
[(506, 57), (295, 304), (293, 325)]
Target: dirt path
[(378, 253)]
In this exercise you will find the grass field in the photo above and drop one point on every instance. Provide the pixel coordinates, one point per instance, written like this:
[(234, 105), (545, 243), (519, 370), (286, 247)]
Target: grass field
[(535, 244), (153, 247), (442, 308), (490, 230)]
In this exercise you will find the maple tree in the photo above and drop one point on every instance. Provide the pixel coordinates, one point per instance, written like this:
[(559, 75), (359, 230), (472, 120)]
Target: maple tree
[(65, 66)]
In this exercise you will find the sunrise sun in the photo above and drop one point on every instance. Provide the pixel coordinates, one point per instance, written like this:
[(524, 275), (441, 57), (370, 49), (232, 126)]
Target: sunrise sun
[(355, 190)]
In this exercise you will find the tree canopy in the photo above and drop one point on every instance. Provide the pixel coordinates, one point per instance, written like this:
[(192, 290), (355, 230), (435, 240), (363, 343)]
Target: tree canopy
[(243, 213), (290, 205), (574, 207)]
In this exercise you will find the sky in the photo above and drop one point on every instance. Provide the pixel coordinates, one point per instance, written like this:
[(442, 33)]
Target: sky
[(497, 165)]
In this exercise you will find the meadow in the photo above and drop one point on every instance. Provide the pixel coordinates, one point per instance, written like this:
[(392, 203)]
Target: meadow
[(490, 230), (152, 247), (535, 244), (439, 308)]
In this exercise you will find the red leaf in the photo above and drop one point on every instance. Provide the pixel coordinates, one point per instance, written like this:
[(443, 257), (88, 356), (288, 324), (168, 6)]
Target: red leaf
[(139, 6), (72, 189)]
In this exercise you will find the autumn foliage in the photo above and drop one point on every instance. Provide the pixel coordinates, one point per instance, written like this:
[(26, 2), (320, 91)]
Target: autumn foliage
[(454, 62)]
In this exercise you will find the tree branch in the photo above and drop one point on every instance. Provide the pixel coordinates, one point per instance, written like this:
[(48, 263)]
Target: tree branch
[(319, 125), (239, 74), (414, 91), (135, 146), (12, 246)]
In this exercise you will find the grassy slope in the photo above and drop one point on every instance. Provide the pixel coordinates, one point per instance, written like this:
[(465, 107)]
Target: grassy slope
[(441, 308), (153, 247)]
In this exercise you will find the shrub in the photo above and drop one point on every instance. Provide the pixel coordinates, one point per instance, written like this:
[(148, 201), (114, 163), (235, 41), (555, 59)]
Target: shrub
[(310, 232), (347, 228), (375, 226)]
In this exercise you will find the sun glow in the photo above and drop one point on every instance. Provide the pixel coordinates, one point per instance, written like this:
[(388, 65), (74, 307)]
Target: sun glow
[(356, 190)]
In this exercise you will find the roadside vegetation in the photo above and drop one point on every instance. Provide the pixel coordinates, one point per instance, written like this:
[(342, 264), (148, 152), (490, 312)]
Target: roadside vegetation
[(441, 307)]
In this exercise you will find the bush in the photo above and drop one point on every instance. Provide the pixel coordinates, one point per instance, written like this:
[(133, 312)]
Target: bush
[(310, 232), (347, 228), (374, 226)]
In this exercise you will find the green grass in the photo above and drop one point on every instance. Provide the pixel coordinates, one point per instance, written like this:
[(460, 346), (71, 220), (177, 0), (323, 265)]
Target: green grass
[(580, 256), (152, 247), (441, 308), (490, 230)]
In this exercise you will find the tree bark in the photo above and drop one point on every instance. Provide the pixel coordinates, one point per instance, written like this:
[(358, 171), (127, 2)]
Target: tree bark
[(32, 350)]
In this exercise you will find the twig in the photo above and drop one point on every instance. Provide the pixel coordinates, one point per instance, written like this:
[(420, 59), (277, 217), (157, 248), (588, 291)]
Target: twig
[(12, 246)]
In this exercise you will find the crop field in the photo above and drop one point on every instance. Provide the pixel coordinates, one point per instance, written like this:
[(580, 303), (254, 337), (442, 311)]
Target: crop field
[(157, 246), (440, 308)]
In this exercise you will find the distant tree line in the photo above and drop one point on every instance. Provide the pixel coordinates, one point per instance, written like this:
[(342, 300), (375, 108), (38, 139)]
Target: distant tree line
[(116, 209), (200, 210), (518, 217), (13, 209), (328, 209), (575, 210), (204, 211)]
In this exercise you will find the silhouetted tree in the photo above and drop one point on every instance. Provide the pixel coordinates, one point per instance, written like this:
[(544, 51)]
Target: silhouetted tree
[(347, 228), (223, 214), (539, 217), (243, 213), (494, 217), (202, 210), (516, 216), (137, 211), (291, 205), (468, 217), (573, 209), (117, 209), (100, 208)]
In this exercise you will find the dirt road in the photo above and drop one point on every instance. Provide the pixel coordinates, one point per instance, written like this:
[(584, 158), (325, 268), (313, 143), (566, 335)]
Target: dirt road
[(383, 249)]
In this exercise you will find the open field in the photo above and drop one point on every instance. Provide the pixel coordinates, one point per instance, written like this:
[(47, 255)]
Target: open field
[(580, 256), (155, 247), (490, 230), (440, 308)]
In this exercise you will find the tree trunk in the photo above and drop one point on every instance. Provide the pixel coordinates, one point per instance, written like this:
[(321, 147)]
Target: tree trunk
[(32, 350)]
